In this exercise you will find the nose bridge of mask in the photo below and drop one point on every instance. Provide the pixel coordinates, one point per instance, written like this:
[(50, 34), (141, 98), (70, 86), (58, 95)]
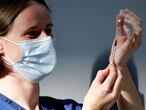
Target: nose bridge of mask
[(10, 41)]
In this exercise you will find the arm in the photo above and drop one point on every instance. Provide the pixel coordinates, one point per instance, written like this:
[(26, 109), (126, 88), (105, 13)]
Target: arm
[(129, 99)]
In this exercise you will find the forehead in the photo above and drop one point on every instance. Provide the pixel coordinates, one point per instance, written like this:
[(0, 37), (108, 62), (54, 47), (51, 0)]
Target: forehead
[(34, 14)]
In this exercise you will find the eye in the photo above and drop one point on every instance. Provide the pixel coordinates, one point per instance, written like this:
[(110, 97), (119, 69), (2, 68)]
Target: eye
[(48, 31), (33, 34)]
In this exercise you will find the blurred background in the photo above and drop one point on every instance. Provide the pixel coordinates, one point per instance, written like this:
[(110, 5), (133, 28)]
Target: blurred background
[(83, 33)]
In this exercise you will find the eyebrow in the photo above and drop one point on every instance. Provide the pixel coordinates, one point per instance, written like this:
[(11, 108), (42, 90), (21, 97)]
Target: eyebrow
[(34, 27), (49, 25)]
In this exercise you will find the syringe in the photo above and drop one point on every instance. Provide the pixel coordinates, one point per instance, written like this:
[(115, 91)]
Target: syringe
[(119, 32)]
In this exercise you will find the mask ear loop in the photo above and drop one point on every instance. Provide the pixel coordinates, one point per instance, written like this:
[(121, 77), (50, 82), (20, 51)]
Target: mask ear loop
[(10, 41), (6, 57)]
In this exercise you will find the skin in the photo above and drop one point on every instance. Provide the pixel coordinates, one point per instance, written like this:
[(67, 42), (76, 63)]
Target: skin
[(129, 98), (125, 93), (38, 17), (104, 90), (107, 87)]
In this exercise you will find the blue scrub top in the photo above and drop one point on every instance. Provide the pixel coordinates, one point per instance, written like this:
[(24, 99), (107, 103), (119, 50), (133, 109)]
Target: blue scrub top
[(46, 103)]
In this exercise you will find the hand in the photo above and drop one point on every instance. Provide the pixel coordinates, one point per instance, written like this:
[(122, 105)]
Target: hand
[(127, 45), (104, 90)]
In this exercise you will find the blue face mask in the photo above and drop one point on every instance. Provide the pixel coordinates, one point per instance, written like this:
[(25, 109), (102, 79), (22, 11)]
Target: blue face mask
[(37, 61)]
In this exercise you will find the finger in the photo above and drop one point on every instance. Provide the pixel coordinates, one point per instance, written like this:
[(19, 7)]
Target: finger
[(101, 75), (136, 27), (109, 81), (127, 11), (135, 36), (117, 85), (134, 20), (138, 41), (128, 33), (129, 17), (126, 45)]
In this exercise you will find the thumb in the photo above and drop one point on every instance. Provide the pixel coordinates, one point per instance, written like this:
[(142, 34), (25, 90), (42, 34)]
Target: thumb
[(102, 74)]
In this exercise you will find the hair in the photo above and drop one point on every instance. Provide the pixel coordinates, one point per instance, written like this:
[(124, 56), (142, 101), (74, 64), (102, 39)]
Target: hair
[(9, 10)]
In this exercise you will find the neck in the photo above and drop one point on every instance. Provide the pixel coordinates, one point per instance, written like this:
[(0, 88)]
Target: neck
[(23, 93)]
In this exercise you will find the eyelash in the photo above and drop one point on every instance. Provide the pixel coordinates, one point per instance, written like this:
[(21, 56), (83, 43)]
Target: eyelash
[(34, 34), (48, 32)]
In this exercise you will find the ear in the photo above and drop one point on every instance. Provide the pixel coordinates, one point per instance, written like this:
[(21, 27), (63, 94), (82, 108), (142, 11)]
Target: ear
[(1, 48)]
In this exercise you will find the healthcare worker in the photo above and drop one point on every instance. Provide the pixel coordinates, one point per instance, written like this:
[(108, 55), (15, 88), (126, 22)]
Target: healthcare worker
[(27, 55)]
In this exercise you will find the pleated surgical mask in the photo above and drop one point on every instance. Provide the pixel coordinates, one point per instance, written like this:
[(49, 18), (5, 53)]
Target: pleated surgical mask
[(37, 60)]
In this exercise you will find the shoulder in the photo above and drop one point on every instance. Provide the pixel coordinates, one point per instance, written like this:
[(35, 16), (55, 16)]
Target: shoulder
[(59, 104)]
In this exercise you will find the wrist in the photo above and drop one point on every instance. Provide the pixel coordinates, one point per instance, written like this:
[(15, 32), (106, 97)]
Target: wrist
[(121, 66), (87, 108), (91, 108), (87, 105)]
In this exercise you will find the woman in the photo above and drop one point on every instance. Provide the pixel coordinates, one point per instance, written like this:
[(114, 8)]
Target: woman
[(27, 56)]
